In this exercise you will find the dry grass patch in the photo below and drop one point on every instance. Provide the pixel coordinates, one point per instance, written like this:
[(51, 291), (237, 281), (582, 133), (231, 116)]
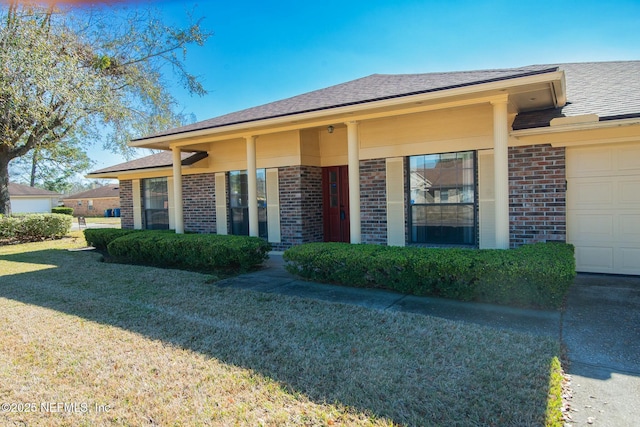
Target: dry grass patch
[(164, 347), (112, 221)]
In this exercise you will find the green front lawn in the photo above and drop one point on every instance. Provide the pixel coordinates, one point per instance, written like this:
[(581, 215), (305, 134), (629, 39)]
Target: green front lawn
[(131, 345)]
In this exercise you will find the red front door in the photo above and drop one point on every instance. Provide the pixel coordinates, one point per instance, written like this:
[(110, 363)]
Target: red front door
[(335, 196)]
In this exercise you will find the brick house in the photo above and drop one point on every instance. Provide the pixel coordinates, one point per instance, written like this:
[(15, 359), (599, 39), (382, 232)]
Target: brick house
[(488, 159), (95, 201)]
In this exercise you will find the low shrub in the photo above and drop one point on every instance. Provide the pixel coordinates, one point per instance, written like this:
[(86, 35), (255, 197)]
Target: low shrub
[(202, 252), (537, 275), (33, 227), (100, 238), (62, 210), (540, 273)]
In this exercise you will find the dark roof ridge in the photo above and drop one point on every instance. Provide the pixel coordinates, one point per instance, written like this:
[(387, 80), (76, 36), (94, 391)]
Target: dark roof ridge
[(487, 70)]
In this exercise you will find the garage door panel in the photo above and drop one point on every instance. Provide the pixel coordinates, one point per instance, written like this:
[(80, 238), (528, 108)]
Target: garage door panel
[(590, 227), (629, 159), (628, 260), (629, 227), (592, 161), (590, 193), (30, 205), (603, 207), (594, 259), (629, 193)]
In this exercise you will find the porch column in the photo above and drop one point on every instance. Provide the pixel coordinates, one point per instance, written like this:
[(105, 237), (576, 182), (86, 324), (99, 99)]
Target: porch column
[(252, 186), (501, 172), (353, 150), (177, 190)]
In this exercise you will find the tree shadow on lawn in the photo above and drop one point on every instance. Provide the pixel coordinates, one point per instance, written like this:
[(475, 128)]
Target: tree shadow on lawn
[(410, 369)]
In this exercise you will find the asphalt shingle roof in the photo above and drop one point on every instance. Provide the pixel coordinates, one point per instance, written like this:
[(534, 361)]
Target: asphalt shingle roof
[(25, 190), (375, 87), (609, 89), (163, 159), (112, 190)]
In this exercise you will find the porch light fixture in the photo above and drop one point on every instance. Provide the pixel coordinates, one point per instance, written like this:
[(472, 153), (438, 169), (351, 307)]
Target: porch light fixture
[(330, 129)]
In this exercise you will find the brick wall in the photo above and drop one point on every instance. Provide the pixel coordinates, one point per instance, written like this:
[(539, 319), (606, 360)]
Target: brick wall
[(126, 204), (373, 201), (311, 189), (81, 206), (537, 197), (300, 206), (199, 203), (537, 194)]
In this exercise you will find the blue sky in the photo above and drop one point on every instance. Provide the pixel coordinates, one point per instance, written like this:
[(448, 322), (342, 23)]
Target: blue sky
[(263, 51)]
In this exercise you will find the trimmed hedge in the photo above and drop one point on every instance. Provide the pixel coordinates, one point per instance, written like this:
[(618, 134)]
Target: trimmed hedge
[(62, 210), (537, 275), (33, 227), (100, 238), (202, 252)]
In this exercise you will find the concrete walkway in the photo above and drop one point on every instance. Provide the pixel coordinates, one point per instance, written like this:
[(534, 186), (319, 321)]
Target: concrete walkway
[(600, 328)]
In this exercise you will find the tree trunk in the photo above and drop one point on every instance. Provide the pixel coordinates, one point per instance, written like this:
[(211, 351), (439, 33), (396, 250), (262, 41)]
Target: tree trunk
[(34, 168), (5, 200)]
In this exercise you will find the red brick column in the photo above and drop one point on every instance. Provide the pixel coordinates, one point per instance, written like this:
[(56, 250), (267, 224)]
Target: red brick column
[(126, 204), (373, 201), (300, 205), (537, 194), (199, 203)]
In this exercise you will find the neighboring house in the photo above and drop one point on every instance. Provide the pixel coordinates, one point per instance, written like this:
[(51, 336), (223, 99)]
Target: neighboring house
[(25, 199), (94, 202), (488, 159)]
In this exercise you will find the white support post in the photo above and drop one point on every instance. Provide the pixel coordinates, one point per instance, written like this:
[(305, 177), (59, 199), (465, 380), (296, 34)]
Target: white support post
[(137, 204), (221, 203), (252, 186), (353, 147), (501, 172), (177, 191)]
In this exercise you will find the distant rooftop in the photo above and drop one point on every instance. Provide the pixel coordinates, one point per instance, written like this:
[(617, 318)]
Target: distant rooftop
[(20, 190), (112, 190)]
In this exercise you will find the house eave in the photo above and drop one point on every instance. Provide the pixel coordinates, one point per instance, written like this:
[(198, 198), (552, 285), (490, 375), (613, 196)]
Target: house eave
[(392, 106), (117, 174), (559, 88), (572, 127), (36, 197)]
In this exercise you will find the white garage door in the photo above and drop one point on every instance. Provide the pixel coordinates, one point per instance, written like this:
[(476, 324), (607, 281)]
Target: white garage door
[(26, 205), (603, 207)]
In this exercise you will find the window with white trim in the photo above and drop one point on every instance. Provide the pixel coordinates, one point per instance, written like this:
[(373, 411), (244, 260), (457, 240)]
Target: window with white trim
[(442, 195), (239, 202), (156, 203)]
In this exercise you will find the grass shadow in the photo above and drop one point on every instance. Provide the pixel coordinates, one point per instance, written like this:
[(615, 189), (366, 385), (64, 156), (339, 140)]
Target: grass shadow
[(409, 369)]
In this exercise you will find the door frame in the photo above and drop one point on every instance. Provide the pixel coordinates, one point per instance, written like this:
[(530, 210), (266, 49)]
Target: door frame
[(336, 218)]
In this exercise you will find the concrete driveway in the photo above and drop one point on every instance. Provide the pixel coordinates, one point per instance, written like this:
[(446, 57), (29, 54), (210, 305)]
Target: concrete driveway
[(75, 226), (601, 329)]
